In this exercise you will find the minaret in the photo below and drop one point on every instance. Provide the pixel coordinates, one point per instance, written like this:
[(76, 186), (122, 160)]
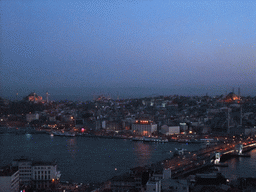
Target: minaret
[(241, 115), (34, 97), (228, 122), (47, 97)]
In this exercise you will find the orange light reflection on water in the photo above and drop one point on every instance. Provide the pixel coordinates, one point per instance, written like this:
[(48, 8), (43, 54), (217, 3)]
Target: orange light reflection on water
[(143, 153), (72, 147)]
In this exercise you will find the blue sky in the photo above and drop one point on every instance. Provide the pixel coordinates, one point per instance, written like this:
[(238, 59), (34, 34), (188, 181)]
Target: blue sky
[(206, 46)]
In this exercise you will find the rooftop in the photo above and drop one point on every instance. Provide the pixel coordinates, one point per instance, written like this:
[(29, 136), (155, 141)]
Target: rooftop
[(8, 170), (39, 163)]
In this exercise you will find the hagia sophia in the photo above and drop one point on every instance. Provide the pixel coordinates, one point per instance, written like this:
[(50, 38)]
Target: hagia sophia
[(33, 97)]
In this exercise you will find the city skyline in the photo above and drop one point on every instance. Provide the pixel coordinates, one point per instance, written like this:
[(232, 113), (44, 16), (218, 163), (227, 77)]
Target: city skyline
[(169, 47)]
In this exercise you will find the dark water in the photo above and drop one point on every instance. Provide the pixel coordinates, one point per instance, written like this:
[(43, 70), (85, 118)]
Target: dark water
[(240, 167), (85, 159)]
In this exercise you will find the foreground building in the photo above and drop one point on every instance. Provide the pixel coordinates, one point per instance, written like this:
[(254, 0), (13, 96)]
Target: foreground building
[(36, 174), (9, 179)]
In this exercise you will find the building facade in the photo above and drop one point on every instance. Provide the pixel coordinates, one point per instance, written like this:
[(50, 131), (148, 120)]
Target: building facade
[(24, 165), (144, 127), (9, 179), (37, 174), (44, 174), (169, 130)]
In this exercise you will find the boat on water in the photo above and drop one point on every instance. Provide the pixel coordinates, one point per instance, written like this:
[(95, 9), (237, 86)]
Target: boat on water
[(189, 141), (150, 139), (137, 139), (69, 134), (66, 134), (58, 133)]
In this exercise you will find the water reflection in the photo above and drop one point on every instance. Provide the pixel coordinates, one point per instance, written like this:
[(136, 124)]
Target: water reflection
[(143, 153), (28, 136), (72, 147), (240, 167)]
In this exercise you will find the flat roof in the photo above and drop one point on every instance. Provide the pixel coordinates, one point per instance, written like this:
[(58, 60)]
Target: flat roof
[(41, 163), (8, 170)]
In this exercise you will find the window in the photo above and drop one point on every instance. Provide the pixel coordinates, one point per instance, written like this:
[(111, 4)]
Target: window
[(45, 177), (45, 172), (48, 172), (42, 172), (35, 177), (38, 172), (49, 167), (39, 177), (49, 177)]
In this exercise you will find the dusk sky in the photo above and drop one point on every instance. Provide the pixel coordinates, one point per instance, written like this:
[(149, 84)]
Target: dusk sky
[(187, 47)]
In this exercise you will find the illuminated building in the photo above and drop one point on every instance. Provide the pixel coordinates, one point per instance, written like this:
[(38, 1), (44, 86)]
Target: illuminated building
[(9, 179), (231, 97), (144, 127), (33, 97)]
